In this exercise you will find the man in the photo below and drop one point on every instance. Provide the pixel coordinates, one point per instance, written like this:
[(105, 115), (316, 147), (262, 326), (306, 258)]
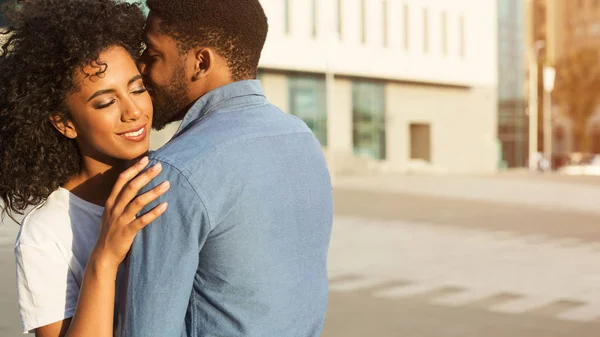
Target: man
[(242, 248)]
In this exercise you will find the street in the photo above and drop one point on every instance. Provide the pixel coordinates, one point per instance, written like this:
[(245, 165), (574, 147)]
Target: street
[(418, 256)]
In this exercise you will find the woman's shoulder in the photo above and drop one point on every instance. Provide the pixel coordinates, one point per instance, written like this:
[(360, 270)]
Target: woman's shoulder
[(41, 224)]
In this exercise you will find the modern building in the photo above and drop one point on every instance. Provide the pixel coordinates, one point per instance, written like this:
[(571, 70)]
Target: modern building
[(512, 118), (389, 84)]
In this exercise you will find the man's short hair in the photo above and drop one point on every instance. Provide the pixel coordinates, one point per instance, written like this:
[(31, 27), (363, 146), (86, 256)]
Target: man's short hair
[(236, 29)]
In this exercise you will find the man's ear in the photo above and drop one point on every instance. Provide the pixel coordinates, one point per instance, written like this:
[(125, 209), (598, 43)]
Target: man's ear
[(204, 61), (63, 126)]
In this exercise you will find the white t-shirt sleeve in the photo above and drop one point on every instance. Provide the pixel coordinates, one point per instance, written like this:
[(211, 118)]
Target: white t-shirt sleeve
[(47, 290)]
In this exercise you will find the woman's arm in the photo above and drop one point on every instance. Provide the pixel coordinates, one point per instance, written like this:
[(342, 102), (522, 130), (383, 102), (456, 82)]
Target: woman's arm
[(94, 315)]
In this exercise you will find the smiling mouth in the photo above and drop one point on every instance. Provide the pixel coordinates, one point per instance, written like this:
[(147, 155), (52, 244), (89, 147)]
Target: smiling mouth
[(136, 135)]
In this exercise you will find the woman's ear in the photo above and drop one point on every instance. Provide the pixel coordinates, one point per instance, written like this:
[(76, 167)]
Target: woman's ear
[(63, 126)]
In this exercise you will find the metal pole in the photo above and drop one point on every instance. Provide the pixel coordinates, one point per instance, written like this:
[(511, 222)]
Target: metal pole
[(533, 103), (549, 76), (548, 127), (330, 94)]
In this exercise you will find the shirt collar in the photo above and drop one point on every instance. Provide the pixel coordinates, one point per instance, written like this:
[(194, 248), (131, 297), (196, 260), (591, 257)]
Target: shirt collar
[(220, 98)]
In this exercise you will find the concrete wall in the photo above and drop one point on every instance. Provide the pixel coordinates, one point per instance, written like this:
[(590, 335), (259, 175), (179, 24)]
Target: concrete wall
[(299, 50), (463, 126), (276, 89)]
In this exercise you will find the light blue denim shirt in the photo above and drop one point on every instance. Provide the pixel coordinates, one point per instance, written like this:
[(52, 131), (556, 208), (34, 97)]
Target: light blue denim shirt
[(242, 248)]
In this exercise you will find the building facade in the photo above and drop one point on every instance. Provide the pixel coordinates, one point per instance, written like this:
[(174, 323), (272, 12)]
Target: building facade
[(392, 85), (389, 84), (512, 118)]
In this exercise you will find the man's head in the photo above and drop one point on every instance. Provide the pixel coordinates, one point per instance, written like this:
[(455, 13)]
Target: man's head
[(195, 46)]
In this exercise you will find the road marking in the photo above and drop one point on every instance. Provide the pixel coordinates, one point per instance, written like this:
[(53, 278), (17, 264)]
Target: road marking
[(521, 305), (586, 313), (410, 290), (463, 298)]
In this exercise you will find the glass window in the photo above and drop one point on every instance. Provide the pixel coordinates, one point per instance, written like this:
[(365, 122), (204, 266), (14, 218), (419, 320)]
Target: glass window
[(308, 101), (444, 33), (315, 17), (340, 12), (406, 26), (142, 5), (425, 30), (363, 21), (461, 32), (384, 22), (368, 112), (2, 22), (286, 14)]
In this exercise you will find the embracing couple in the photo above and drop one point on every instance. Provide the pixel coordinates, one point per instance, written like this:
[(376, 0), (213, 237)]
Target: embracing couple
[(224, 231)]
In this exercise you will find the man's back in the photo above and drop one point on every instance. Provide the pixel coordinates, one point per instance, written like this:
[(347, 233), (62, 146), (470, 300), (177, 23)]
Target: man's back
[(242, 249)]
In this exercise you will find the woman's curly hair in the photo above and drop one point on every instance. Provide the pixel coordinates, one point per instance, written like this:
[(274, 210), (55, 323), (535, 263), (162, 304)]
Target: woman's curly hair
[(47, 43)]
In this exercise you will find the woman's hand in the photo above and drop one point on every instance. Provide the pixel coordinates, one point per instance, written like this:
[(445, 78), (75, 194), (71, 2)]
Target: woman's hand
[(119, 222)]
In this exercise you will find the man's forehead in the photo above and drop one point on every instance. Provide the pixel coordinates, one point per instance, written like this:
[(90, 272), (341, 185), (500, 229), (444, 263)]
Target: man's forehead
[(153, 35)]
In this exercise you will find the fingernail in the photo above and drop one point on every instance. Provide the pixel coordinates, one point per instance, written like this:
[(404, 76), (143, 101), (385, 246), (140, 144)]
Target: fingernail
[(156, 167), (144, 161), (163, 206), (165, 186)]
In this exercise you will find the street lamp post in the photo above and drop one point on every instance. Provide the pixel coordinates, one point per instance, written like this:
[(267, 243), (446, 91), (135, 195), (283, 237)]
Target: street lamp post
[(549, 76), (330, 52), (533, 103)]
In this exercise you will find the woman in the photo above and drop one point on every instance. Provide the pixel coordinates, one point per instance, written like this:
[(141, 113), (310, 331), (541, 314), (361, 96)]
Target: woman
[(74, 113)]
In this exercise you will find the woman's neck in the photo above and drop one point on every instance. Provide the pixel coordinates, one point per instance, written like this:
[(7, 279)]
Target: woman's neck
[(95, 181)]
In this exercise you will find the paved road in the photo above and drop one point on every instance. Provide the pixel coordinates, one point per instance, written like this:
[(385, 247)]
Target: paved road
[(9, 317), (416, 265), (440, 261)]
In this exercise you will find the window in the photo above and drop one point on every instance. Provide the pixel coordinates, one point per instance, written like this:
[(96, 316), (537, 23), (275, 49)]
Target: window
[(368, 112), (2, 20), (308, 101), (461, 32), (384, 10), (420, 142), (406, 27), (287, 18), (315, 17), (425, 30), (444, 33), (363, 21), (340, 14)]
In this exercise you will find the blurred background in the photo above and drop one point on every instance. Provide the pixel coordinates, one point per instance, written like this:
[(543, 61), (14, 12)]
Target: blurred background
[(462, 138)]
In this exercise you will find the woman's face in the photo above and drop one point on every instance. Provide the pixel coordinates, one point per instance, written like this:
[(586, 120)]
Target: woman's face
[(111, 113)]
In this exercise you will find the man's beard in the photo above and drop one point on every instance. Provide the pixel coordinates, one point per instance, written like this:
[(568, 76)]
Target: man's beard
[(170, 101)]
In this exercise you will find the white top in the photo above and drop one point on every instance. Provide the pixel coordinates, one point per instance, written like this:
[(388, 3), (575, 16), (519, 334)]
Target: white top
[(52, 250)]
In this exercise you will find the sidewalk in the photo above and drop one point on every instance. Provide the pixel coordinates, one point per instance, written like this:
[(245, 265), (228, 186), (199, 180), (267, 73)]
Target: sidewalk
[(552, 192)]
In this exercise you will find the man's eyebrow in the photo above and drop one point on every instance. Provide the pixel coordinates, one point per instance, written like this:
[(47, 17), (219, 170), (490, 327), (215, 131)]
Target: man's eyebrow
[(148, 42)]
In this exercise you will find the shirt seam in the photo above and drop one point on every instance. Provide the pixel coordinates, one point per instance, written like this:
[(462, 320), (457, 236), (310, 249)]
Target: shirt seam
[(188, 177), (210, 109), (224, 145)]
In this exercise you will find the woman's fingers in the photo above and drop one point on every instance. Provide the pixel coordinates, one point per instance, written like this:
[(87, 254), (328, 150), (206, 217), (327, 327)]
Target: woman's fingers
[(135, 206), (124, 178), (147, 218), (132, 188)]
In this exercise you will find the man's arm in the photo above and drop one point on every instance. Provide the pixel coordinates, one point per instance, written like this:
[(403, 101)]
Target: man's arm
[(163, 261)]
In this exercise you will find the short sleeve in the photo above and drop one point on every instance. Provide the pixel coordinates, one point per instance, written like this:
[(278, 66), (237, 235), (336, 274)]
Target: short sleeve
[(47, 290)]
